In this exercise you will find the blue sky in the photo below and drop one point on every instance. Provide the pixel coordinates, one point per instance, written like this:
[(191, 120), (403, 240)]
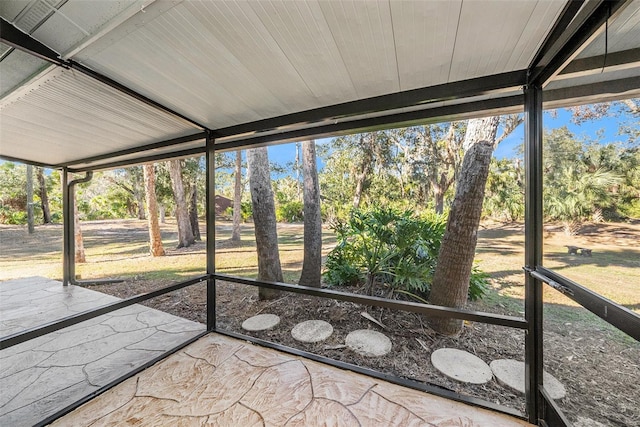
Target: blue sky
[(589, 130), (605, 128)]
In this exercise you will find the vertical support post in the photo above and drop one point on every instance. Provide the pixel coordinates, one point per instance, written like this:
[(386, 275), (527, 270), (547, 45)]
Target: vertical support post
[(533, 249), (67, 235), (210, 210), (68, 218)]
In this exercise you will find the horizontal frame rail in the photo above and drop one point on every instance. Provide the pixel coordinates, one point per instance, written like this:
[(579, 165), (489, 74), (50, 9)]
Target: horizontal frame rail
[(431, 310), (38, 331), (135, 150), (615, 314), (405, 382), (509, 104), (26, 162), (191, 152)]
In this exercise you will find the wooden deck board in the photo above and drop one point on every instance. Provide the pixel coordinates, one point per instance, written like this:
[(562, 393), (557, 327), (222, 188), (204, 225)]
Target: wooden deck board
[(227, 382)]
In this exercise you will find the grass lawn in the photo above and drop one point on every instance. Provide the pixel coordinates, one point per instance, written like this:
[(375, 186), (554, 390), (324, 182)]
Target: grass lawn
[(119, 249)]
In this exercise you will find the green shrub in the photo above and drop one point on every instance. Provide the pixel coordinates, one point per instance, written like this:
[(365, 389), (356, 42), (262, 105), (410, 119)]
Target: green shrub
[(290, 212), (478, 284), (390, 248), (17, 218), (246, 209)]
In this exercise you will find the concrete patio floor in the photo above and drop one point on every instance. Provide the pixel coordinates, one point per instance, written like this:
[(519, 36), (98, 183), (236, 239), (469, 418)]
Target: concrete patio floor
[(224, 381), (44, 375)]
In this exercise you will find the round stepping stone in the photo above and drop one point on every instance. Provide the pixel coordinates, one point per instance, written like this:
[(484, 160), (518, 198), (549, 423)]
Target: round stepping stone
[(368, 343), (260, 322), (461, 366), (312, 331), (510, 373)]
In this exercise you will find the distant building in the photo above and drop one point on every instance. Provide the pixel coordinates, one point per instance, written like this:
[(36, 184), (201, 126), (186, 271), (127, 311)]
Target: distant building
[(222, 204)]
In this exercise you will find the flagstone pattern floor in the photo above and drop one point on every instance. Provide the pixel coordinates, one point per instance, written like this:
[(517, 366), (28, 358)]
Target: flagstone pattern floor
[(44, 375), (223, 381)]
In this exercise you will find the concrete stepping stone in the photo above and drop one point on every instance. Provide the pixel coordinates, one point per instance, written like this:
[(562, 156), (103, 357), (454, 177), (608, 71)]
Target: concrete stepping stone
[(510, 374), (261, 322), (312, 331), (368, 343), (461, 366)]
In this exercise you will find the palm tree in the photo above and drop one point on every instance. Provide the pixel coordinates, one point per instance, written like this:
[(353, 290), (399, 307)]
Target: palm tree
[(577, 195), (450, 285)]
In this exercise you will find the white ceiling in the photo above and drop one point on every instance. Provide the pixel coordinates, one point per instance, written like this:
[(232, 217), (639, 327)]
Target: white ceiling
[(225, 63)]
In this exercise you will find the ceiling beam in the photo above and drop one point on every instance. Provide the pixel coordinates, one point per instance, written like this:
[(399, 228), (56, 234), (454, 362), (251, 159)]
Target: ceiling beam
[(11, 35), (134, 150), (610, 90), (442, 92), (557, 36), (614, 60), (26, 162), (497, 106), (191, 152), (566, 43)]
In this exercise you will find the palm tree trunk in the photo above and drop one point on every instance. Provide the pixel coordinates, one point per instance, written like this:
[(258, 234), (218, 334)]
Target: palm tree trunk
[(450, 285)]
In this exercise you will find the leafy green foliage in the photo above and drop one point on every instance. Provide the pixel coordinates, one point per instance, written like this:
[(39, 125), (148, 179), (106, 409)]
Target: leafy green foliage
[(478, 283), (385, 247), (289, 212), (583, 180), (13, 194), (504, 196)]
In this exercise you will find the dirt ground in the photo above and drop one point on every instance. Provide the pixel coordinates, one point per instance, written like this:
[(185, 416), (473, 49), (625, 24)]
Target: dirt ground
[(599, 367)]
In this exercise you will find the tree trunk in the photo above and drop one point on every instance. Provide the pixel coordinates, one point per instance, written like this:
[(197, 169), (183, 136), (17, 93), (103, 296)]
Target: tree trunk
[(155, 239), (44, 197), (193, 212), (162, 209), (30, 218), (361, 179), (297, 170), (139, 197), (455, 260), (264, 218), (237, 198), (312, 262), (438, 194), (79, 241), (185, 233)]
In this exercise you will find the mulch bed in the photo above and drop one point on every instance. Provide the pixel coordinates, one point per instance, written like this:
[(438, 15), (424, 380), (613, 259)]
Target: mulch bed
[(601, 374)]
